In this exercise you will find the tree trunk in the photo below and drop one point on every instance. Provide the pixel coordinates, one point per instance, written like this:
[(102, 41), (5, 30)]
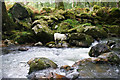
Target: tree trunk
[(118, 4), (59, 4)]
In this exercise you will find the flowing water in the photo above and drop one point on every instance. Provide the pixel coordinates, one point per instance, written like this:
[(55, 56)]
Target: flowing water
[(14, 64)]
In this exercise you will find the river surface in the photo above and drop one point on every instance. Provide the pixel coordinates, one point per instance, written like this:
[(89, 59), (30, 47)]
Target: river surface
[(14, 64)]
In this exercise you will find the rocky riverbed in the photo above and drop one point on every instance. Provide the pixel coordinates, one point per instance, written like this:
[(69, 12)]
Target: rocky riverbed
[(71, 62)]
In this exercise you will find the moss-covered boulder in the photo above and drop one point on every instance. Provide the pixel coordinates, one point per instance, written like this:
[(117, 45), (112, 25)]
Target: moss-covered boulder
[(80, 40), (63, 27), (115, 12), (95, 32), (23, 37), (70, 14), (102, 14), (98, 49), (96, 7), (22, 15), (113, 29), (114, 16), (40, 63), (43, 32), (19, 11)]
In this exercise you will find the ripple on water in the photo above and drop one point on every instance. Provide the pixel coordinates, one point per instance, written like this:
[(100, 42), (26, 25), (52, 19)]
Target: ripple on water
[(15, 65)]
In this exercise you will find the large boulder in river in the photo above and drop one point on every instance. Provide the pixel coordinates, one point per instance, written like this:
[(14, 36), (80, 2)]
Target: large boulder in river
[(80, 40), (40, 63), (98, 50), (103, 66), (111, 58)]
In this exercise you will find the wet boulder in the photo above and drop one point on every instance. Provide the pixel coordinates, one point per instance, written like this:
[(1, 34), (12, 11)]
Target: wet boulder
[(40, 63), (38, 44), (80, 40), (116, 47), (98, 49), (96, 68), (60, 44), (22, 49), (110, 43), (50, 44), (65, 67), (111, 58)]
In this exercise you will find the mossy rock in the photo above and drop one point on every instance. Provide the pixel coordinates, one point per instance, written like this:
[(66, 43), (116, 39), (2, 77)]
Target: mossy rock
[(80, 40), (19, 11), (63, 27), (25, 23), (47, 9), (42, 30), (73, 23), (102, 13), (95, 32), (98, 49), (50, 44), (115, 12), (69, 14), (23, 37), (40, 64), (87, 10), (96, 7), (113, 29), (85, 18)]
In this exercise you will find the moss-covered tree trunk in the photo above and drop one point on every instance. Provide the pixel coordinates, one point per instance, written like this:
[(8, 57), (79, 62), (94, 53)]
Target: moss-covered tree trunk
[(59, 4)]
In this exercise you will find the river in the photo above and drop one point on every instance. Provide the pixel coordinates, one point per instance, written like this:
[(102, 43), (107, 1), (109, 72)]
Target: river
[(14, 64)]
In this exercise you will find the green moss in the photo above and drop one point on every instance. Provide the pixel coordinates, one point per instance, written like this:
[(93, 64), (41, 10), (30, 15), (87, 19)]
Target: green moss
[(41, 63), (95, 32), (47, 9), (115, 12), (87, 10), (70, 14), (72, 22), (63, 27), (22, 37), (96, 7), (114, 29)]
